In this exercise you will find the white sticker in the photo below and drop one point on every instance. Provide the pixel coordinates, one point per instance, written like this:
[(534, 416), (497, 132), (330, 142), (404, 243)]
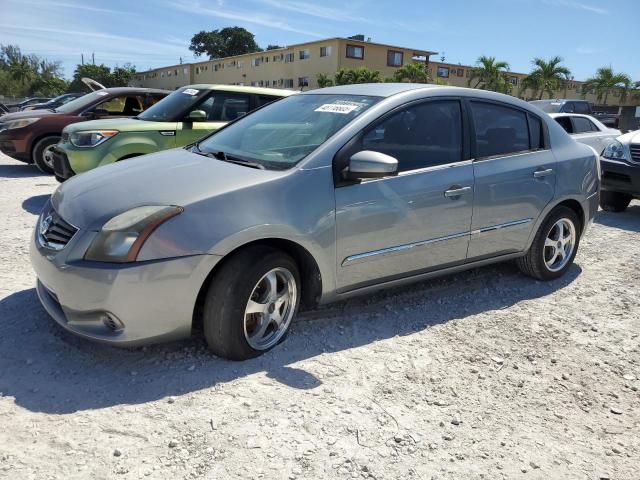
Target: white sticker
[(102, 93), (190, 91), (336, 108)]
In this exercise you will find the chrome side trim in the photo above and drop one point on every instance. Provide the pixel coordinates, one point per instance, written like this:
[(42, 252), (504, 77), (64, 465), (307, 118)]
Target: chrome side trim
[(501, 226), (361, 257)]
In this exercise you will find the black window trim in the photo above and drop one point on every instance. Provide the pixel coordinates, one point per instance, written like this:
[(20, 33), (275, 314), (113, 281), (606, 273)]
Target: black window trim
[(472, 130), (340, 158)]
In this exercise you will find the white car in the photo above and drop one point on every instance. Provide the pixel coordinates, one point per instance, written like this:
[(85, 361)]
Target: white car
[(586, 129)]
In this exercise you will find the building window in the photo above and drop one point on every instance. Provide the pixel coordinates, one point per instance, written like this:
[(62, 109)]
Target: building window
[(184, 71), (460, 72), (325, 51), (303, 81), (513, 80), (288, 83), (394, 58), (469, 73), (304, 54), (255, 62), (175, 72), (254, 84), (288, 58), (240, 65), (443, 72), (355, 51)]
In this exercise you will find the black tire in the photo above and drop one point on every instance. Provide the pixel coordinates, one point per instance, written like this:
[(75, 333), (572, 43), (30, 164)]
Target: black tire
[(38, 153), (614, 201), (228, 294), (59, 178), (533, 263)]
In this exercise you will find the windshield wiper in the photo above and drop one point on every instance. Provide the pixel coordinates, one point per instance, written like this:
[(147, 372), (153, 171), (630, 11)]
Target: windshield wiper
[(225, 157)]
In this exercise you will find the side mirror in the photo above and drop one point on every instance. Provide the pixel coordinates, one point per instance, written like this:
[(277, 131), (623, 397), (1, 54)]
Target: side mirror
[(95, 113), (197, 116), (369, 164)]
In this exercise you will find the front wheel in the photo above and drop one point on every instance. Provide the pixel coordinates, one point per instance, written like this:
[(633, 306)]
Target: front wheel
[(251, 303), (42, 153), (614, 201), (554, 246)]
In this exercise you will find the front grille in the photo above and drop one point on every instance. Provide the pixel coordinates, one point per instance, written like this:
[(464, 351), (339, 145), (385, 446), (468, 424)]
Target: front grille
[(53, 231), (635, 152)]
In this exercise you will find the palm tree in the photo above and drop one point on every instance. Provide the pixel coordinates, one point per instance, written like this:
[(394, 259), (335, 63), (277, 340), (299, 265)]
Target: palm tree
[(488, 74), (21, 71), (605, 81), (348, 76), (324, 80), (412, 73), (548, 75)]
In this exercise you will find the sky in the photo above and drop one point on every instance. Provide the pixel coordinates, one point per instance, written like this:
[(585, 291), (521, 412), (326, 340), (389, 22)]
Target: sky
[(587, 34)]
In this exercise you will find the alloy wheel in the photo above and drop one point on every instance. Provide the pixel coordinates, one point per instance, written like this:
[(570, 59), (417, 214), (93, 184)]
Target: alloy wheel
[(559, 244)]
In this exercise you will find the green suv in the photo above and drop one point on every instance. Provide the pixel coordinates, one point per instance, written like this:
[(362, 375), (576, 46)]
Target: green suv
[(183, 117)]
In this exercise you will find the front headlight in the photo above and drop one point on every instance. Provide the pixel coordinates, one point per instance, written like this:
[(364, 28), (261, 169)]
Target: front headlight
[(122, 237), (615, 151), (92, 138), (23, 122)]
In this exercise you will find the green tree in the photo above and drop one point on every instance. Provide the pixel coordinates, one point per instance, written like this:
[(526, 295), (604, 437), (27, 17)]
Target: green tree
[(489, 74), (349, 76), (412, 73), (605, 81), (121, 76), (99, 73), (273, 47), (547, 76), (226, 42), (324, 80)]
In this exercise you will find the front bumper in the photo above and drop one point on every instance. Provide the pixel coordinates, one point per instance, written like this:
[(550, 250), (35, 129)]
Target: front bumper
[(618, 176), (14, 146), (61, 166), (153, 300)]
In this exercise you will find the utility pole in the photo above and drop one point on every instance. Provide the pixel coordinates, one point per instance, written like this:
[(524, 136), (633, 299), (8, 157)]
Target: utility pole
[(82, 58), (93, 57)]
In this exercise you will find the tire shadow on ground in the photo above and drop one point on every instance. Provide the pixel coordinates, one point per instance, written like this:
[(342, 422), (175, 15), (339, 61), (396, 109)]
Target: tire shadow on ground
[(48, 370), (21, 170), (627, 220)]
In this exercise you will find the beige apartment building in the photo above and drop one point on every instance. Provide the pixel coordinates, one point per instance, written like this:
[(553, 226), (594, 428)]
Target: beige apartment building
[(298, 66)]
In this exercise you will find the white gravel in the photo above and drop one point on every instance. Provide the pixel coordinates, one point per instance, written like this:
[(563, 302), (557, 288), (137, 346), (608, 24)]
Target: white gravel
[(485, 374)]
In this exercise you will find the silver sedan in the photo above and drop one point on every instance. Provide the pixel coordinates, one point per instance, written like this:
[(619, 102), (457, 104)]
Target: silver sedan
[(586, 129), (311, 199)]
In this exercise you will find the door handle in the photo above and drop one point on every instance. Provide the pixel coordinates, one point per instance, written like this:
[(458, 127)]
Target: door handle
[(543, 173), (456, 192)]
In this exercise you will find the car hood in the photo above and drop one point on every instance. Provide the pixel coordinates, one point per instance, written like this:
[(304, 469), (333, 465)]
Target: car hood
[(172, 177), (122, 125), (631, 137), (29, 114)]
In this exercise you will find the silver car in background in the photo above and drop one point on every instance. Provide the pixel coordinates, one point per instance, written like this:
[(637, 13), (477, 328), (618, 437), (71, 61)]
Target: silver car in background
[(586, 129), (315, 198)]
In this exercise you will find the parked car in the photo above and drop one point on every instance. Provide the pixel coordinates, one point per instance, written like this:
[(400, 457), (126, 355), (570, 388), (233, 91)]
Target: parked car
[(16, 107), (314, 198), (183, 117), (29, 136), (54, 102), (620, 172), (562, 105), (586, 129)]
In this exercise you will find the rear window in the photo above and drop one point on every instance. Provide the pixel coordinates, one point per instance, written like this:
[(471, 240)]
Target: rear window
[(581, 107), (500, 130), (582, 125)]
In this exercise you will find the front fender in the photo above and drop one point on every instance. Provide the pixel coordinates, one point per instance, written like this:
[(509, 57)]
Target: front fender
[(131, 145)]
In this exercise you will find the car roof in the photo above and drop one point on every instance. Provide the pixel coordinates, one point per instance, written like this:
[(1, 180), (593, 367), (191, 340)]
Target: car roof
[(558, 100), (373, 89), (569, 114), (120, 90), (243, 89)]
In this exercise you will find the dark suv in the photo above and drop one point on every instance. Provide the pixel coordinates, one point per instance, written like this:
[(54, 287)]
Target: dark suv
[(29, 136)]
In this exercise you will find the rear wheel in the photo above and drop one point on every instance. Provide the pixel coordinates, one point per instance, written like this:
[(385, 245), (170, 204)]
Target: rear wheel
[(251, 303), (614, 201), (42, 153), (554, 246)]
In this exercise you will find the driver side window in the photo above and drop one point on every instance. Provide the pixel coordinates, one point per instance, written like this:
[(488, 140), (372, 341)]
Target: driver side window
[(128, 106), (420, 136)]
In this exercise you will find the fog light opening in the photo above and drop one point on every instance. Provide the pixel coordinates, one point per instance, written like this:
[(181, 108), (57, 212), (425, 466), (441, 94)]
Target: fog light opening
[(111, 322)]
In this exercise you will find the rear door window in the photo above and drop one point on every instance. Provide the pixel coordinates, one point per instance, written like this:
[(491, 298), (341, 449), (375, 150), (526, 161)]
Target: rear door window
[(225, 107), (582, 125), (264, 99), (565, 122), (499, 130), (419, 136), (581, 107), (535, 132)]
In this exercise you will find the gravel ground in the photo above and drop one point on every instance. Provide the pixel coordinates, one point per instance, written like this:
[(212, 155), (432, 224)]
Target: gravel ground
[(485, 374)]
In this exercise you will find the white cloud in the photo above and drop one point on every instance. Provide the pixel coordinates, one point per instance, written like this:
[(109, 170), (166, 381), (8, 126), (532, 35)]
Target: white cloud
[(312, 10), (578, 5), (75, 6), (240, 16)]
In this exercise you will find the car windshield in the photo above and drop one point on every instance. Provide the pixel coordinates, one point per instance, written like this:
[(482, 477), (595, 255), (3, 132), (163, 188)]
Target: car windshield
[(82, 102), (280, 135), (547, 105), (175, 106)]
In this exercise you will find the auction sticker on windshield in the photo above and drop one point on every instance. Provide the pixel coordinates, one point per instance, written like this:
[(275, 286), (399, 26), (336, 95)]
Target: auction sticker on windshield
[(190, 91), (336, 108)]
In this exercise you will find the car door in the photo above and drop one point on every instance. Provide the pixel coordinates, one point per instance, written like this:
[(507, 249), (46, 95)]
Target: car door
[(418, 220), (220, 108), (514, 172)]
